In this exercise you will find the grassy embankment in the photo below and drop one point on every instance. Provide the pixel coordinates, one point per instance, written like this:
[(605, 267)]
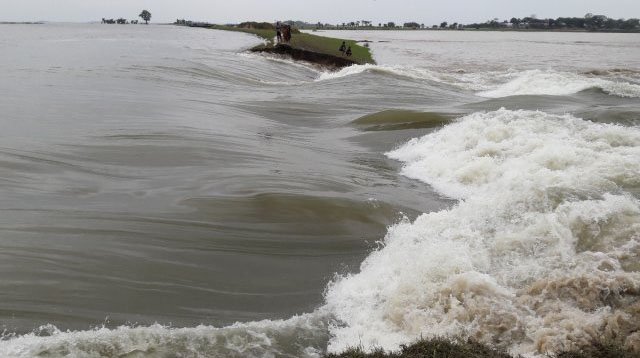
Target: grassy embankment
[(266, 34), (442, 348), (308, 42)]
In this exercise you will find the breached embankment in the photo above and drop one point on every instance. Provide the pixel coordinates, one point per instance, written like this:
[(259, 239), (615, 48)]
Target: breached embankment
[(319, 50), (298, 54)]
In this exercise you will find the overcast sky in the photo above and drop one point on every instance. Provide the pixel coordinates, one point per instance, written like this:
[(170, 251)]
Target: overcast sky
[(332, 11)]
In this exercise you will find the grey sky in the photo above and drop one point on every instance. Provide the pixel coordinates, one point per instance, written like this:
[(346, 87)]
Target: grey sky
[(333, 11)]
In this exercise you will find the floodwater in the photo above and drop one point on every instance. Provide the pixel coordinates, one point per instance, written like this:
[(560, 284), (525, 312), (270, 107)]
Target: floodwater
[(164, 193)]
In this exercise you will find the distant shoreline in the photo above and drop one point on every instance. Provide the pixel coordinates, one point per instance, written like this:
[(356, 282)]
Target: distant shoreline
[(21, 23), (475, 30)]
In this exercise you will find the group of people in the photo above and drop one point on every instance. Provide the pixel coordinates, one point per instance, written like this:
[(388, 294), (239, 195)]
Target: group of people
[(283, 32), (346, 50)]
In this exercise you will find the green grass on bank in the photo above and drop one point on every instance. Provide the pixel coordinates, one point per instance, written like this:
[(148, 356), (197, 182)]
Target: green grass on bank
[(435, 348), (266, 34), (443, 348), (331, 46), (309, 42)]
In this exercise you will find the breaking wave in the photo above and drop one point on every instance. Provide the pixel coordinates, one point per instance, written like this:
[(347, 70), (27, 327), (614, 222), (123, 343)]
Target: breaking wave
[(537, 82), (402, 71), (540, 254), (497, 84), (296, 337)]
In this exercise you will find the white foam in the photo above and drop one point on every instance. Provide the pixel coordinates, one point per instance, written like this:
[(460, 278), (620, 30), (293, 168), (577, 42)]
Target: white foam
[(553, 83), (295, 337), (495, 84), (537, 256), (402, 71), (480, 81)]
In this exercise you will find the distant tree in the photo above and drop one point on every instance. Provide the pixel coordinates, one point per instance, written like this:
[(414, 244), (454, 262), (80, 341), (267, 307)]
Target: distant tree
[(453, 26), (412, 25), (443, 25), (391, 24), (610, 24), (595, 22), (146, 16), (631, 24)]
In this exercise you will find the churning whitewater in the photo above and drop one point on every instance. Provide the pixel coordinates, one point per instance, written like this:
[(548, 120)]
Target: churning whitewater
[(540, 254)]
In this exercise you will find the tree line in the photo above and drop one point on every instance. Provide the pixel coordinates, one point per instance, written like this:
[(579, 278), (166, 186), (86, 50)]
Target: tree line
[(589, 22)]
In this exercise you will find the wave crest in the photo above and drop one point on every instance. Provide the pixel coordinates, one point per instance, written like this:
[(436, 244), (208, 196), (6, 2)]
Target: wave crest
[(498, 84), (402, 71), (552, 83)]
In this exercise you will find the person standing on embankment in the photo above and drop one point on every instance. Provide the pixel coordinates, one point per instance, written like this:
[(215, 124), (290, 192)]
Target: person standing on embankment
[(278, 32)]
